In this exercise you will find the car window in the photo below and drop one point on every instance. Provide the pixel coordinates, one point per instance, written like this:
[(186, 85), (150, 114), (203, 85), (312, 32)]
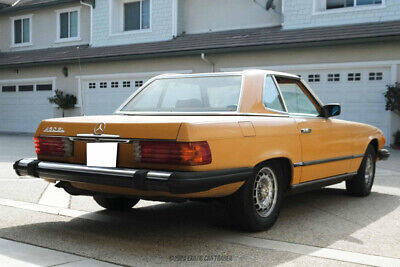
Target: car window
[(188, 94), (295, 98), (271, 96)]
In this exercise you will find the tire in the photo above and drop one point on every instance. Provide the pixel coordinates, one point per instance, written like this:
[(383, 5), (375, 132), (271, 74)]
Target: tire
[(116, 203), (244, 205), (361, 184)]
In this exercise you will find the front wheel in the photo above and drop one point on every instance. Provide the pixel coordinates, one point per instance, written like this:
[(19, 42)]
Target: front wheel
[(116, 203), (361, 184), (256, 205)]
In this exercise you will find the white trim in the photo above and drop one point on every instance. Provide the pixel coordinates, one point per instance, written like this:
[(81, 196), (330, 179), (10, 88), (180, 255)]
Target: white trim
[(393, 73), (13, 19), (175, 18), (320, 66), (68, 10), (128, 75), (354, 8)]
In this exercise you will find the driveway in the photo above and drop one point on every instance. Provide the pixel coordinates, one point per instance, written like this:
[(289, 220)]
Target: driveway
[(323, 227)]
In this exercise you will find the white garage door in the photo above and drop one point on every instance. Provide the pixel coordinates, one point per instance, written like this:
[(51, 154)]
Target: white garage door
[(23, 106), (359, 91), (103, 97)]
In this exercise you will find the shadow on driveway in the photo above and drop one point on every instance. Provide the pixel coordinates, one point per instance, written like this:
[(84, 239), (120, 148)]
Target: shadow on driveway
[(150, 235)]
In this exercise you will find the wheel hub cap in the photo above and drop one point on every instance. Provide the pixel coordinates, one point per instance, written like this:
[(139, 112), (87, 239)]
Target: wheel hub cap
[(265, 191)]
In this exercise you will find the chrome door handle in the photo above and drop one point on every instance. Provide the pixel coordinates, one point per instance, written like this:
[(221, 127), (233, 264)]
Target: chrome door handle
[(306, 130)]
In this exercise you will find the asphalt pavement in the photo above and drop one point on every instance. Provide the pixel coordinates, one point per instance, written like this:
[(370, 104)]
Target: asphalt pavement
[(324, 227)]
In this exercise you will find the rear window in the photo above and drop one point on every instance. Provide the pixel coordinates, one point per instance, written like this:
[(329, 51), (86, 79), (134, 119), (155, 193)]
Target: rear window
[(191, 94)]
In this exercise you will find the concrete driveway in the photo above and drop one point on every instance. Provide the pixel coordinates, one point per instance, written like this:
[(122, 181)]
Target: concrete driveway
[(324, 227)]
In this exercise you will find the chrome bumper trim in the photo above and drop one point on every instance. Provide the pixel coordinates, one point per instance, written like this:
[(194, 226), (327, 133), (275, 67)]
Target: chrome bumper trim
[(153, 175)]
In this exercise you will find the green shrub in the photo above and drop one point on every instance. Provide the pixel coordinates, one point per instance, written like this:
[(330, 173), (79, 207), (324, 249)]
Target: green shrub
[(62, 101), (397, 138), (392, 96)]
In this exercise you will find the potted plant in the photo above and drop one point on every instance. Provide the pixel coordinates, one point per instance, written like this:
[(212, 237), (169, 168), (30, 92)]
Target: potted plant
[(392, 97), (396, 143), (62, 101)]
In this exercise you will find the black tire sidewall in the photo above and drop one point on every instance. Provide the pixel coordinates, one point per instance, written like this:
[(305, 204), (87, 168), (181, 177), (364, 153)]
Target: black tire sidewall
[(357, 185), (244, 208)]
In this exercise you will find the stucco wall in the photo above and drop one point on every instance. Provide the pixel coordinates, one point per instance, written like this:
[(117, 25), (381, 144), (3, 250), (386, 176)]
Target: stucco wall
[(338, 54), (161, 25), (304, 13), (218, 15), (44, 28)]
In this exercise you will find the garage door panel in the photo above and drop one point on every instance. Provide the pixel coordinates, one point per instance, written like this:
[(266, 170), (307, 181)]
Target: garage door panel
[(23, 111), (104, 101)]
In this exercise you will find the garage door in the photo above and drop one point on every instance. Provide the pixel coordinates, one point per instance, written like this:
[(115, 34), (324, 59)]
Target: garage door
[(23, 106), (103, 97), (359, 91)]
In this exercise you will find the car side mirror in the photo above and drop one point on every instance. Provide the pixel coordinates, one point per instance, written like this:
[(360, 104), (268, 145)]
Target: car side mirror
[(331, 110)]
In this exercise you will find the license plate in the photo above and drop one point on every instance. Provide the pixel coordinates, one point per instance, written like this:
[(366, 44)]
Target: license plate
[(101, 154)]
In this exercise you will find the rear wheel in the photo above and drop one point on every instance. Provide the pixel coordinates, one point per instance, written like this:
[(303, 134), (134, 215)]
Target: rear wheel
[(361, 184), (116, 203), (256, 205)]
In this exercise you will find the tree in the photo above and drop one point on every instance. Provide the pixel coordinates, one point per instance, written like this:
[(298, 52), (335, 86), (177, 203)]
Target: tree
[(62, 101), (392, 96)]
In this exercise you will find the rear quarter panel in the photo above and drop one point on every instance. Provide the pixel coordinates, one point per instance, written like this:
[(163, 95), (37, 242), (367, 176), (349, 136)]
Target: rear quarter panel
[(232, 147)]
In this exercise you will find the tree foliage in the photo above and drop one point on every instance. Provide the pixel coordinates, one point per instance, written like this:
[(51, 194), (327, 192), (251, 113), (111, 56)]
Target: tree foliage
[(63, 101), (392, 96)]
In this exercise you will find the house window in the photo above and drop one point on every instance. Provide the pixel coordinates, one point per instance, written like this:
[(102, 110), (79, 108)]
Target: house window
[(21, 30), (375, 76), (354, 77), (333, 77), (126, 84), (114, 84), (9, 88), (68, 24), (314, 78), (334, 4), (103, 85), (92, 85), (137, 15), (138, 83), (25, 88), (44, 87)]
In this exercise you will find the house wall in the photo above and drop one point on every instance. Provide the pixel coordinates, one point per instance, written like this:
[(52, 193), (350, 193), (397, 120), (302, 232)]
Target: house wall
[(316, 55), (161, 25), (44, 28), (304, 14), (218, 15)]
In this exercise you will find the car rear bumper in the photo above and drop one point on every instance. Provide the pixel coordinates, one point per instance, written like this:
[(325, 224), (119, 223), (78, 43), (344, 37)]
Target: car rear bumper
[(164, 181), (383, 154)]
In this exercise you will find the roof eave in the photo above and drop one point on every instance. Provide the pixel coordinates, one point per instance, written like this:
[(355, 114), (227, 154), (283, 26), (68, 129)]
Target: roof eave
[(33, 7), (219, 50)]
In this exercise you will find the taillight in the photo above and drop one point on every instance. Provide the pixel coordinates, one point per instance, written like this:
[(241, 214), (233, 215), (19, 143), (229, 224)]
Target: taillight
[(169, 152), (53, 146)]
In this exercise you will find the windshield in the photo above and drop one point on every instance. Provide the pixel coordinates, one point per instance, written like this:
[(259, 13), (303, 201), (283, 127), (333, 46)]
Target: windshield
[(191, 94)]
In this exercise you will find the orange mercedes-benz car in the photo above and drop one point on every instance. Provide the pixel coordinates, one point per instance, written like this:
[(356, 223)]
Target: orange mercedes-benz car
[(244, 137)]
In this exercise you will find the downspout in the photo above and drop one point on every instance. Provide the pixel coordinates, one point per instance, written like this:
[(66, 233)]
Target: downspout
[(206, 60), (91, 20)]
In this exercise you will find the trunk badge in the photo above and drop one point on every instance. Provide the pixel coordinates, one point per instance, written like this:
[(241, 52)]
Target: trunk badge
[(99, 128)]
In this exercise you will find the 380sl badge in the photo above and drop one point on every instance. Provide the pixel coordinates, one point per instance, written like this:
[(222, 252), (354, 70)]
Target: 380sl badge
[(54, 130)]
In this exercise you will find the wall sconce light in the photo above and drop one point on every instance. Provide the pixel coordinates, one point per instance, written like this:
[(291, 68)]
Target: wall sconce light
[(65, 71)]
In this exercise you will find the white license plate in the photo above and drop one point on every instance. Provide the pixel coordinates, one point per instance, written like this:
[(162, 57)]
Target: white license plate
[(101, 154)]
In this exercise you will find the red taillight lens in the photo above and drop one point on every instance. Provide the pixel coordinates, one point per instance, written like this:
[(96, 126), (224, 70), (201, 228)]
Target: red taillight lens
[(183, 153), (53, 146)]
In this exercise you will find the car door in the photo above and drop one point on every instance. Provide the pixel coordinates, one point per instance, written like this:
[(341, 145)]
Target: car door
[(325, 142)]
